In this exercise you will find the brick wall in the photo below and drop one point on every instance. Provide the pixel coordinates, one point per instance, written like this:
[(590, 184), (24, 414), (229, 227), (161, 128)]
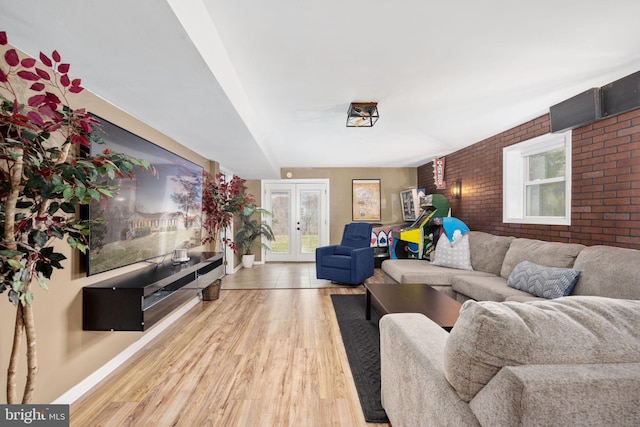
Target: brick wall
[(605, 183)]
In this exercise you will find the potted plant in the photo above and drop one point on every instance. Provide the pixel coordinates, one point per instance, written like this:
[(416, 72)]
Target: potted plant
[(42, 183), (253, 228), (220, 201)]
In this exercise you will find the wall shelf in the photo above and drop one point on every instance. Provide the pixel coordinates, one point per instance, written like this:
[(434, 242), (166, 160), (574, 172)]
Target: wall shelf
[(137, 300)]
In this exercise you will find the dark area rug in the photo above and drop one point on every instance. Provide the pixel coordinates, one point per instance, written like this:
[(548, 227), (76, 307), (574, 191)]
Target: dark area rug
[(362, 344)]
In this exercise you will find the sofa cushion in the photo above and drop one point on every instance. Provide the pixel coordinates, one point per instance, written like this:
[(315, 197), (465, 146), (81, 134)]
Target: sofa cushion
[(551, 254), (337, 261), (488, 251), (419, 271), (522, 298), (453, 254), (569, 330), (608, 271), (541, 281), (491, 288), (561, 395)]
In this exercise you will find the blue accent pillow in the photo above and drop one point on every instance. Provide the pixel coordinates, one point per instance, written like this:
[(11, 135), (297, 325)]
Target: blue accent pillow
[(542, 281)]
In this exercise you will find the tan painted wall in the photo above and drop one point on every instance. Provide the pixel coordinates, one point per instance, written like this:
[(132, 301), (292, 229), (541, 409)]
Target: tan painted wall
[(67, 354), (253, 188), (392, 181)]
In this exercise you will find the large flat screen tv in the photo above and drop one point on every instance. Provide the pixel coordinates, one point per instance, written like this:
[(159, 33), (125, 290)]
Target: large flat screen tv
[(149, 216)]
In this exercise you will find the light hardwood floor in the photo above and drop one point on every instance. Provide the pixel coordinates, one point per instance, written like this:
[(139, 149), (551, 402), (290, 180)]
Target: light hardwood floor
[(282, 275), (251, 358)]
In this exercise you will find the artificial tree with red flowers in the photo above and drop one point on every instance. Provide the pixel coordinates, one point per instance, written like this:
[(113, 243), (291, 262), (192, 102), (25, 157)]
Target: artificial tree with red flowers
[(42, 183), (220, 201)]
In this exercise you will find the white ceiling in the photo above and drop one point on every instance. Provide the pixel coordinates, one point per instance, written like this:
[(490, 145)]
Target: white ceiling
[(260, 85)]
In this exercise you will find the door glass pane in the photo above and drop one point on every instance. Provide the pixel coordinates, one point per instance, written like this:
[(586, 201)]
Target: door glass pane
[(280, 206), (546, 199), (309, 220)]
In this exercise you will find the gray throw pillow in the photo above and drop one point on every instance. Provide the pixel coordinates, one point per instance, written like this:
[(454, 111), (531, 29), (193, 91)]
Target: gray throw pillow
[(453, 255), (542, 281)]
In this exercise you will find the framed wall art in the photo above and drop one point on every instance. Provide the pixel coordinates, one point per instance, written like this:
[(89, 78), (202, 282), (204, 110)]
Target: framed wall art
[(365, 204)]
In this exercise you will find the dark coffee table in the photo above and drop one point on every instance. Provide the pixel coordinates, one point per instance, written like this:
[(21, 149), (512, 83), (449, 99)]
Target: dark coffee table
[(412, 298)]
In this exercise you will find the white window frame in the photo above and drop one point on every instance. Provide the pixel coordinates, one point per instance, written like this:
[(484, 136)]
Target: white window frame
[(514, 163)]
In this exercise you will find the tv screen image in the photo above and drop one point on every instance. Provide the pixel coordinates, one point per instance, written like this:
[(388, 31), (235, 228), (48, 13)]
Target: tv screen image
[(149, 216)]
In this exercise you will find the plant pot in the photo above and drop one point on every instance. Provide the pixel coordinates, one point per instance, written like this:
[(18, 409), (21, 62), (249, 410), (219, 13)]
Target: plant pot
[(247, 260), (212, 292)]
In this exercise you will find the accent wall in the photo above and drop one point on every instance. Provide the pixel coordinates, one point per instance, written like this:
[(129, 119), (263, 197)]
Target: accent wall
[(605, 183)]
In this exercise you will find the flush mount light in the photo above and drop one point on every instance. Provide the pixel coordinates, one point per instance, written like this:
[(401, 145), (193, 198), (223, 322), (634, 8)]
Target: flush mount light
[(362, 114)]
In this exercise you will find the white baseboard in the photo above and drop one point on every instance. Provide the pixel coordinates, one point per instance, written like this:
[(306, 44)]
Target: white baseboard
[(92, 380)]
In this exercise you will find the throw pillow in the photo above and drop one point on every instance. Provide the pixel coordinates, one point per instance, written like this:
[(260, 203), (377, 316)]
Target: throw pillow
[(453, 255), (541, 281), (577, 330)]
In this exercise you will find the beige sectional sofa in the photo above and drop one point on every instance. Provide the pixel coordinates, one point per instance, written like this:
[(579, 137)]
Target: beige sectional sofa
[(574, 361), (604, 270), (513, 358)]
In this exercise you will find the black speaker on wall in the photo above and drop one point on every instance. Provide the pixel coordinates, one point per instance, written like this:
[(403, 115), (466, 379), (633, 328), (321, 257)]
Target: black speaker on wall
[(577, 111), (621, 96)]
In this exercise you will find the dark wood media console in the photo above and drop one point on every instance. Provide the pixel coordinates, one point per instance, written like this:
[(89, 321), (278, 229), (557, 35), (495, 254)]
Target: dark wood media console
[(137, 300)]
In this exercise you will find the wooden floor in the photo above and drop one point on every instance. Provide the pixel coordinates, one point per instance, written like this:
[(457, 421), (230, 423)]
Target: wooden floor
[(279, 275), (251, 358)]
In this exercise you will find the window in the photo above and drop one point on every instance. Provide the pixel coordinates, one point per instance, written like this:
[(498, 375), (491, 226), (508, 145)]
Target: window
[(537, 181)]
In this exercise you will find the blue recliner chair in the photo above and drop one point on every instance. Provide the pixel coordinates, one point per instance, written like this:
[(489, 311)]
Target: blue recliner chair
[(350, 262)]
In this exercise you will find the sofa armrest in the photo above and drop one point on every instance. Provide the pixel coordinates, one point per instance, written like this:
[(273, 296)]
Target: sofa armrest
[(362, 264), (363, 252), (414, 389), (363, 257), (589, 394), (325, 250)]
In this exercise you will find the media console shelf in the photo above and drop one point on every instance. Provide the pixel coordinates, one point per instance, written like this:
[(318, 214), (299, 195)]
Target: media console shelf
[(137, 300)]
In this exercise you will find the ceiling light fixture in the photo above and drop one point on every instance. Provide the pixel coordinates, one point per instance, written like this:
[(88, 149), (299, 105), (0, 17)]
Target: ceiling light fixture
[(362, 114)]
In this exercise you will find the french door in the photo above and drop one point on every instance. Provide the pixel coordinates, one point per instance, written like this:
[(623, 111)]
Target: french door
[(300, 220)]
